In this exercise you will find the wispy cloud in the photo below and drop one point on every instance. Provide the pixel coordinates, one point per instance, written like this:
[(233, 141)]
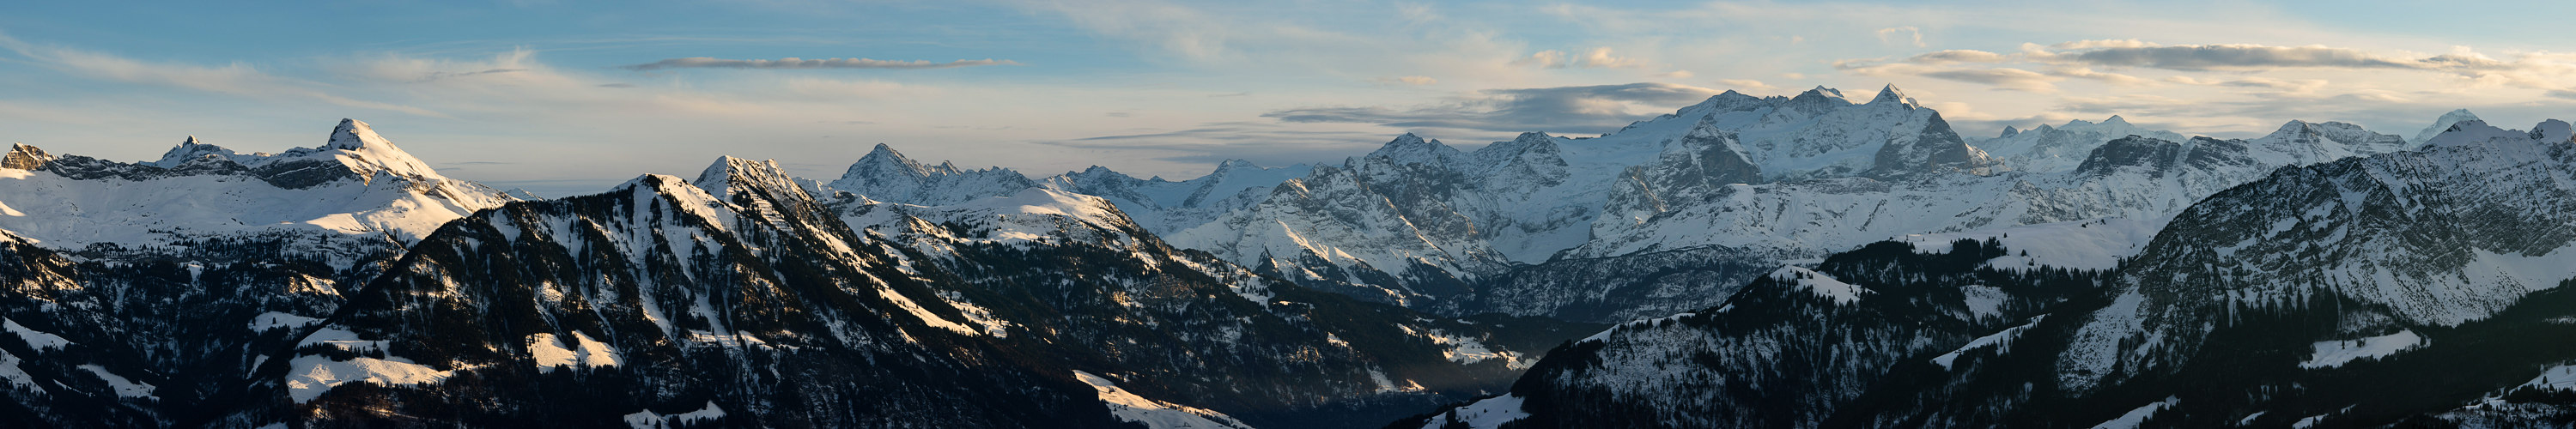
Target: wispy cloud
[(1595, 58), (1901, 35), (819, 63), (1407, 80), (444, 75), (1568, 109), (233, 79)]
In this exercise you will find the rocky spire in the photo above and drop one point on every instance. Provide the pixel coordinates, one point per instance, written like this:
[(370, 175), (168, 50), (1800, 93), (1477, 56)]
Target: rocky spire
[(24, 157)]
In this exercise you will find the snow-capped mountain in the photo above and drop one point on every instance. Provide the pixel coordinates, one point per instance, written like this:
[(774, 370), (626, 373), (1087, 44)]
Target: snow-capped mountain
[(673, 302), (2050, 149), (2442, 124), (886, 175), (1168, 206), (1420, 219), (2132, 177), (1755, 180), (2414, 288), (356, 187), (2452, 233), (155, 287)]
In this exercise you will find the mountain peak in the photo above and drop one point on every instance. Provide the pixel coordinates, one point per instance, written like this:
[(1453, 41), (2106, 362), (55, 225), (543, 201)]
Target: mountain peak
[(2442, 124), (885, 160), (24, 157), (2292, 127), (350, 135), (2009, 131), (2116, 120), (1890, 94), (1413, 149), (359, 147), (728, 173), (188, 150), (2474, 132), (2553, 131)]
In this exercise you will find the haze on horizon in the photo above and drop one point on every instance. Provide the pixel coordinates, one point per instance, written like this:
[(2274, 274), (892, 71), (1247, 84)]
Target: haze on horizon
[(569, 97)]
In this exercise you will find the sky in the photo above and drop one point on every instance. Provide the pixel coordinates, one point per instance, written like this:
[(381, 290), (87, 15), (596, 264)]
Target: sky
[(565, 97)]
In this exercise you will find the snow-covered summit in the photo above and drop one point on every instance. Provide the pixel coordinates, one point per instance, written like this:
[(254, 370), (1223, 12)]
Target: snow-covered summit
[(2313, 142), (1166, 206), (887, 175), (2050, 149), (356, 184), (2442, 124)]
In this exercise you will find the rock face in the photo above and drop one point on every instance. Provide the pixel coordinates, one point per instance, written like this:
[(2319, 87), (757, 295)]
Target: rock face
[(24, 157)]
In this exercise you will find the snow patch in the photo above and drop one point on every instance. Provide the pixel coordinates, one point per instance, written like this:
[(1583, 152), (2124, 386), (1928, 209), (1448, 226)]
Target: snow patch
[(549, 352), (35, 339), (1467, 350), (2330, 354), (2001, 341), (17, 377), (125, 388), (313, 375), (2139, 415), (1820, 284), (2093, 244), (1488, 413), (1152, 413)]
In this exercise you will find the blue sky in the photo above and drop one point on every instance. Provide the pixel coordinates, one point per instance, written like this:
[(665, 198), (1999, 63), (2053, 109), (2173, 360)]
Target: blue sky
[(549, 95)]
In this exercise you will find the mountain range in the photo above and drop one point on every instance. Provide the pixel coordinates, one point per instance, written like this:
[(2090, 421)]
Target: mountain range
[(1810, 260)]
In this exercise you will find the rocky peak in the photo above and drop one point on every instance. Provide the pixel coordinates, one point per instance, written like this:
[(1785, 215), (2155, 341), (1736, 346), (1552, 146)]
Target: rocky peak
[(1816, 101), (1891, 95), (729, 175), (2009, 131), (884, 162), (24, 157), (188, 151), (366, 153), (1413, 149), (2116, 120)]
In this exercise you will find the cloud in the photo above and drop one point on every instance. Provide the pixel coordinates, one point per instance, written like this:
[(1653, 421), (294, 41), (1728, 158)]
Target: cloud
[(2088, 73), (1890, 35), (444, 75), (1269, 144), (2000, 78), (1747, 84), (232, 79), (2103, 60), (1595, 58), (2222, 57), (1407, 80), (1957, 56), (1568, 109), (2295, 86), (821, 63)]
